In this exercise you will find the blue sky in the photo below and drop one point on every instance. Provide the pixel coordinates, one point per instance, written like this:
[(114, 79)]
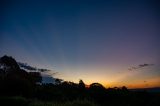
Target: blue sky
[(93, 40)]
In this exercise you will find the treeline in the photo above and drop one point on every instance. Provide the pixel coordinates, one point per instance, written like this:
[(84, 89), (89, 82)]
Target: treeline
[(15, 81)]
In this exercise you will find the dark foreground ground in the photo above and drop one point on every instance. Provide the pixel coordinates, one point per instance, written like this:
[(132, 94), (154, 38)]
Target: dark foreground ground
[(95, 98)]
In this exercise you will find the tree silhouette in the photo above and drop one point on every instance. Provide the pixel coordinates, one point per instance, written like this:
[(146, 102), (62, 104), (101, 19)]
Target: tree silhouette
[(96, 86), (9, 63), (16, 81), (58, 81), (81, 84)]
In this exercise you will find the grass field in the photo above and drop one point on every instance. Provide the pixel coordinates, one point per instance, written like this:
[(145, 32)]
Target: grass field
[(20, 101)]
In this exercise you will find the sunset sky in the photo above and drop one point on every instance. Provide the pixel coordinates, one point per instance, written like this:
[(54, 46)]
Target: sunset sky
[(93, 40)]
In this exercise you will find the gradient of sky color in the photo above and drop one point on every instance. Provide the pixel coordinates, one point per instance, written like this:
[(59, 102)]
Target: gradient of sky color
[(93, 40)]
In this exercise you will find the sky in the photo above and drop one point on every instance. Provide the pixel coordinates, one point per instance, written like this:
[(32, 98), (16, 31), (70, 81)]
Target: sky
[(93, 40)]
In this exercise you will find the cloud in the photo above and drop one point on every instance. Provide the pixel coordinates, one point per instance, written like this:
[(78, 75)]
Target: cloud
[(31, 68), (26, 66), (43, 70), (145, 65), (139, 66)]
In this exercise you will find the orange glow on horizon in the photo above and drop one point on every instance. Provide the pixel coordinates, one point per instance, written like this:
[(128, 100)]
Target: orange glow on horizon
[(130, 79), (154, 82)]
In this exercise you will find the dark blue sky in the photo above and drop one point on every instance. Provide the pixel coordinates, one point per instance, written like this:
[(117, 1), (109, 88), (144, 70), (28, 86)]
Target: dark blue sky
[(94, 40)]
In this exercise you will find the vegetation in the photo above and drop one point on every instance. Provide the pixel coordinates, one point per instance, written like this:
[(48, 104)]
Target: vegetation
[(21, 88)]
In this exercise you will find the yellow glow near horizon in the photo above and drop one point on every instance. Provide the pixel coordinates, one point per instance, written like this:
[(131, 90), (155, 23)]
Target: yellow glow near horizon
[(130, 79)]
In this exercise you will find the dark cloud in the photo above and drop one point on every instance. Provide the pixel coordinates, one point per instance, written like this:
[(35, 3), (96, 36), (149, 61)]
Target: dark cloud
[(139, 66), (43, 70), (145, 65), (26, 66), (31, 68)]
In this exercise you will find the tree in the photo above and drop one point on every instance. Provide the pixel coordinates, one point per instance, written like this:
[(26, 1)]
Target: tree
[(96, 86), (81, 84), (16, 81), (124, 88), (58, 81), (35, 77), (9, 63)]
